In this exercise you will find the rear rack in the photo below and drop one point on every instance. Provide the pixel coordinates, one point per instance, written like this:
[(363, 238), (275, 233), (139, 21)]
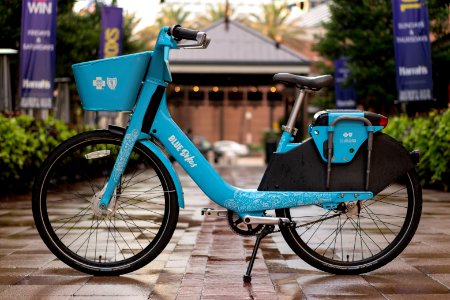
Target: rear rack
[(370, 130)]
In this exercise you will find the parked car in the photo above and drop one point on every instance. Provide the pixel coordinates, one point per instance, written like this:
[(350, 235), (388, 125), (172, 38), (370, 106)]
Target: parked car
[(233, 148), (202, 144)]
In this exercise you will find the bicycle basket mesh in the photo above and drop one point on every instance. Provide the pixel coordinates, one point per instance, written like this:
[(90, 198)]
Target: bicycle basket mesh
[(111, 84)]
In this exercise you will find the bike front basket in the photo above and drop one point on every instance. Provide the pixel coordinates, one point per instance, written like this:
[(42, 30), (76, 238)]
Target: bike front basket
[(111, 84)]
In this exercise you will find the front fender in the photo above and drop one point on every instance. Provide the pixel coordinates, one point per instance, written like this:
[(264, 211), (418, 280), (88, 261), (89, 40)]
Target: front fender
[(162, 157)]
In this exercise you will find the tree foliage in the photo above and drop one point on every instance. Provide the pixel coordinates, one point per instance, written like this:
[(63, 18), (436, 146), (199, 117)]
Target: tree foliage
[(10, 17), (213, 14), (430, 134), (26, 142), (363, 32), (168, 16), (273, 22), (77, 35)]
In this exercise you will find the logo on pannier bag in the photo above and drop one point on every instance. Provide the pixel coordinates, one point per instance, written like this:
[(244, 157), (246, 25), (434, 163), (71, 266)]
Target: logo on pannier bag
[(112, 82), (347, 138), (348, 134)]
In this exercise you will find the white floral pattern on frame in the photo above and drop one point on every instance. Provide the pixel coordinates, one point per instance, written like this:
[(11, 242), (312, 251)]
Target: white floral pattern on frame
[(247, 201), (127, 145)]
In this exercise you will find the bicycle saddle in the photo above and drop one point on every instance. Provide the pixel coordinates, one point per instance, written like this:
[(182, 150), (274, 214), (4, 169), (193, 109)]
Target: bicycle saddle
[(312, 83)]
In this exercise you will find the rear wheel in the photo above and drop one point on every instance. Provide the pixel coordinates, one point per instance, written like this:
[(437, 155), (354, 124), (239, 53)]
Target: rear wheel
[(141, 218), (360, 236)]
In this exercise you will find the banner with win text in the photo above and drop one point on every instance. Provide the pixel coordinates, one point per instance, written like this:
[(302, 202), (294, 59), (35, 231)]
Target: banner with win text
[(37, 53)]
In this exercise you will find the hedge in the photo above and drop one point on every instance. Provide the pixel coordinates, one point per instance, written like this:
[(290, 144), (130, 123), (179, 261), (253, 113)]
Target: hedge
[(431, 136), (24, 144)]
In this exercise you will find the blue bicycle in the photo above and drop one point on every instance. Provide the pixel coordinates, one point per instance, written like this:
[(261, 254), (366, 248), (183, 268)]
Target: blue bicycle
[(106, 202)]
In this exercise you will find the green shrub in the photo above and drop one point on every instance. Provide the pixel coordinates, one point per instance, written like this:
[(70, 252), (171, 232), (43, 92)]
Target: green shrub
[(431, 136), (24, 144)]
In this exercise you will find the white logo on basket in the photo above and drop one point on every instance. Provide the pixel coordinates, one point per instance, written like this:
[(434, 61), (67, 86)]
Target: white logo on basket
[(99, 83), (112, 83)]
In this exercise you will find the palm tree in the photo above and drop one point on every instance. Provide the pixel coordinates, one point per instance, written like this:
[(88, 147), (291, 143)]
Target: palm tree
[(172, 15), (273, 22), (214, 13), (168, 16)]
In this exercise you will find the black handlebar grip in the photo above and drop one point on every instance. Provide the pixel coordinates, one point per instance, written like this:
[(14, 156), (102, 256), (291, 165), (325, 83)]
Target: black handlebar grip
[(180, 33)]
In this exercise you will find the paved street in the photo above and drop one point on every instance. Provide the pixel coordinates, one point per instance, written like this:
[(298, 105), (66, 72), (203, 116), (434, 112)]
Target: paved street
[(205, 260)]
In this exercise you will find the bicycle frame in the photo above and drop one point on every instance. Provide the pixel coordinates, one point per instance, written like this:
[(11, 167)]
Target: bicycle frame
[(151, 118)]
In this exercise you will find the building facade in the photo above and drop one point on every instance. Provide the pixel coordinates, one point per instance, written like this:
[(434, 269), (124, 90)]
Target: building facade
[(226, 92)]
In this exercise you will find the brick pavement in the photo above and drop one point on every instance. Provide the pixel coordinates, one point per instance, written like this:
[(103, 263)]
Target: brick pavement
[(205, 260)]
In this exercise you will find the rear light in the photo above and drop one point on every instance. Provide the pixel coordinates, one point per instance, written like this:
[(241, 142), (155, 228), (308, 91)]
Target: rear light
[(376, 119), (383, 121)]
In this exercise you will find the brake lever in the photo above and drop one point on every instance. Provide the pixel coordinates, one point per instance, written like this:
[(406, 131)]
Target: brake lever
[(202, 42)]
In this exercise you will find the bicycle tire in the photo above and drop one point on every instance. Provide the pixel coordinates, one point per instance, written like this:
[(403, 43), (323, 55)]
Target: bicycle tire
[(143, 217), (388, 221)]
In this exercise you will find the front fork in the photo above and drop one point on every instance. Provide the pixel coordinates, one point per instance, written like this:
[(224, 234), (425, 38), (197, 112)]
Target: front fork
[(132, 135)]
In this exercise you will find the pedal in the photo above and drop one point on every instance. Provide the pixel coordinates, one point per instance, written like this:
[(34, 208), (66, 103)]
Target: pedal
[(214, 212)]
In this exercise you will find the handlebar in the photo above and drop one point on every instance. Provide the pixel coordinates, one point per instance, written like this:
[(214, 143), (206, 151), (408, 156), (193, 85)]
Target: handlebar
[(179, 33)]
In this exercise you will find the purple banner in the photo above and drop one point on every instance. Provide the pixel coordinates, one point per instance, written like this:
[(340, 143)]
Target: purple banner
[(111, 32), (412, 50), (37, 53), (345, 95)]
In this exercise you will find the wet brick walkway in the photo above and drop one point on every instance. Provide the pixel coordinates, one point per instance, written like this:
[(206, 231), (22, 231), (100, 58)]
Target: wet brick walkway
[(205, 260)]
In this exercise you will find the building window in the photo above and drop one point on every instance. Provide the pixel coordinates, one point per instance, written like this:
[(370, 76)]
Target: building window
[(235, 96), (274, 96), (254, 96), (175, 95), (196, 96), (215, 96)]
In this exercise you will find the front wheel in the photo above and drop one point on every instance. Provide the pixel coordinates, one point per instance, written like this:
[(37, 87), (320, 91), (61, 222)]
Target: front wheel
[(140, 220), (359, 236)]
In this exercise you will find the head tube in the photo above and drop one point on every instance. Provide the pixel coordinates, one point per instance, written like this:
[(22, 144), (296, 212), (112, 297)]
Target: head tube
[(165, 40), (159, 65)]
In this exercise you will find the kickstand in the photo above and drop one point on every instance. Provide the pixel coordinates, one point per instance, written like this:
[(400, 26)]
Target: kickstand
[(266, 230)]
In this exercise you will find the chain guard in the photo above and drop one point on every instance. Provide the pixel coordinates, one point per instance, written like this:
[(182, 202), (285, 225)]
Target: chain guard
[(239, 227)]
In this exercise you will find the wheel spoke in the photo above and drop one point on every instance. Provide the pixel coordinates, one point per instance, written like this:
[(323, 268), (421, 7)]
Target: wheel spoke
[(149, 210), (144, 180), (83, 212), (370, 213), (127, 224), (329, 236), (363, 231), (137, 219), (114, 238)]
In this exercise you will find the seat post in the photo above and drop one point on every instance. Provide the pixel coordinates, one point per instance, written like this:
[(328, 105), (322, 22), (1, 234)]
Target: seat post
[(294, 113)]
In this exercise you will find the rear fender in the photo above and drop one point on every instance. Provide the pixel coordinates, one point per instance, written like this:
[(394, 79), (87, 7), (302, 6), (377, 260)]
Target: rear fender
[(162, 157)]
